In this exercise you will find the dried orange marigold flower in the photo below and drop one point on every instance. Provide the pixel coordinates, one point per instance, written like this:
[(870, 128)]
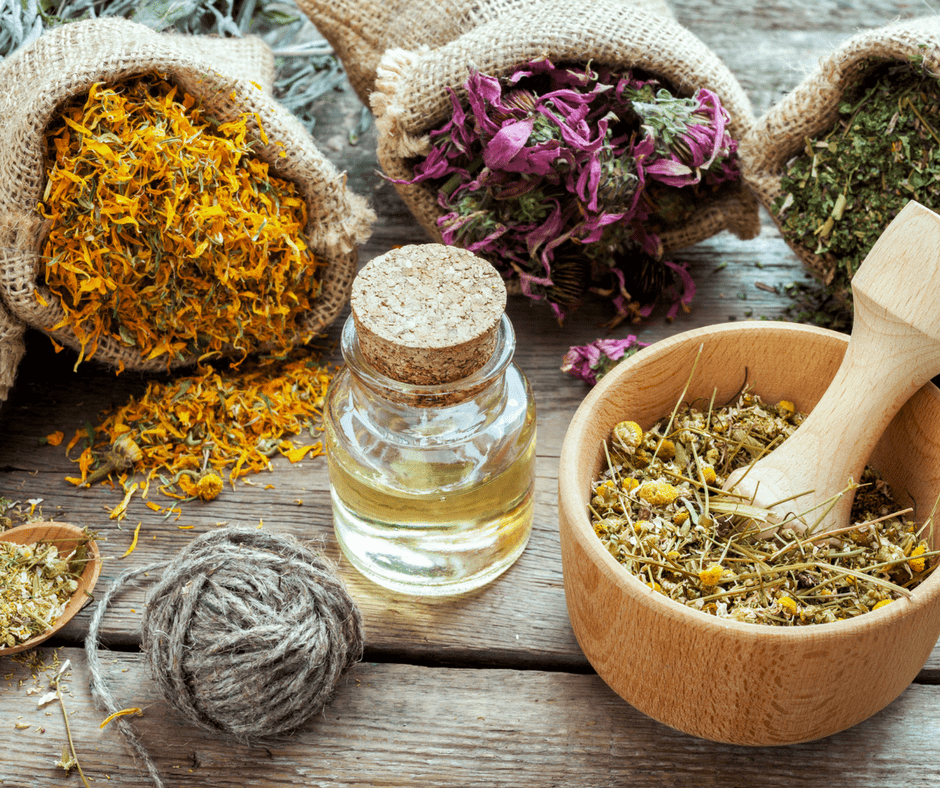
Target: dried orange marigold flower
[(165, 232), (207, 486)]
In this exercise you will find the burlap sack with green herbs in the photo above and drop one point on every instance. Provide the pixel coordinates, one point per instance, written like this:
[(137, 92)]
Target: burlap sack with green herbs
[(230, 77), (360, 31), (410, 96), (800, 123)]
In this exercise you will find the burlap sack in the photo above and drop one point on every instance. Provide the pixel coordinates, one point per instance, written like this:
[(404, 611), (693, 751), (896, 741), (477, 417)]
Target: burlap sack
[(410, 99), (230, 77), (360, 31), (811, 110)]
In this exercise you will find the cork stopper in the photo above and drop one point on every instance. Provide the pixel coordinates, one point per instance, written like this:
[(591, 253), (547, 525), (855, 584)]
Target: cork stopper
[(428, 314)]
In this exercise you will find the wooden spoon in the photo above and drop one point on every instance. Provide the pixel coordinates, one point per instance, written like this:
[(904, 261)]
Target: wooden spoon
[(894, 349), (66, 538)]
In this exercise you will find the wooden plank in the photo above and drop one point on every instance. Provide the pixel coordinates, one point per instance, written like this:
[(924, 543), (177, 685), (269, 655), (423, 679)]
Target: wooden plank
[(755, 20), (521, 620), (770, 47), (402, 725)]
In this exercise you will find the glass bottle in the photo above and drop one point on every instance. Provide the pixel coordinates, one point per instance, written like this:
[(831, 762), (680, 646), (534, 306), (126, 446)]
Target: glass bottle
[(430, 427)]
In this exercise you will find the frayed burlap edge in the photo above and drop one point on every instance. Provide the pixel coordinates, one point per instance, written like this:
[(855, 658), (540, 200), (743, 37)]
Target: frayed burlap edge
[(231, 77), (410, 97), (811, 109), (360, 31), (12, 348)]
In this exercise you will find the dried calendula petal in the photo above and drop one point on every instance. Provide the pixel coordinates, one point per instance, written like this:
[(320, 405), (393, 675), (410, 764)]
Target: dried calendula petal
[(135, 710), (236, 417), (55, 438), (165, 232)]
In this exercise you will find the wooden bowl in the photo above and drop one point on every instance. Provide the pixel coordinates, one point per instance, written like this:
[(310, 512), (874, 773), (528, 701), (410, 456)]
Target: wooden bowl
[(66, 538), (719, 679)]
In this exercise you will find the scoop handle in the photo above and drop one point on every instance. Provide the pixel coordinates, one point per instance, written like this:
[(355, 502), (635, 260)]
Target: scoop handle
[(894, 349)]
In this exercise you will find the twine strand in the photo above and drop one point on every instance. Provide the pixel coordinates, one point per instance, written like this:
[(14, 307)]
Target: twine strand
[(246, 634)]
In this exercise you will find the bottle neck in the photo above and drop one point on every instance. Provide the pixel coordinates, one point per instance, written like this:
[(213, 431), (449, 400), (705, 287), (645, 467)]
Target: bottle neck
[(432, 396)]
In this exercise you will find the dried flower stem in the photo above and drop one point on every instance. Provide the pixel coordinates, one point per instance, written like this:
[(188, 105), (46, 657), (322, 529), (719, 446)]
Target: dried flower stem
[(65, 717), (660, 510)]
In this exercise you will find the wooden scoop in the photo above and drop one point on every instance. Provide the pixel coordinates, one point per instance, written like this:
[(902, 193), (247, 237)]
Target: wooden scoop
[(894, 349)]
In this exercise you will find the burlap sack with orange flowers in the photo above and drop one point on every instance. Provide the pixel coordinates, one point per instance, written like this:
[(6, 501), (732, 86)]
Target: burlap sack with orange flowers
[(233, 79), (411, 97), (360, 31), (811, 109)]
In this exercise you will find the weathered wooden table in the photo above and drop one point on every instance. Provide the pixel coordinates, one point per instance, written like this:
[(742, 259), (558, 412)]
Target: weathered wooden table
[(486, 689)]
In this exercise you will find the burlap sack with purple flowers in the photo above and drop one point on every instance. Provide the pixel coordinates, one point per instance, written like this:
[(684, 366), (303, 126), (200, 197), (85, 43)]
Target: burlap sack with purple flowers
[(231, 77), (360, 31), (811, 110), (411, 92)]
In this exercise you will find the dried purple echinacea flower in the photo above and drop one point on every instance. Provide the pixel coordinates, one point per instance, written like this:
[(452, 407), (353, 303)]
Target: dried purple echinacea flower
[(689, 139), (563, 177), (592, 361)]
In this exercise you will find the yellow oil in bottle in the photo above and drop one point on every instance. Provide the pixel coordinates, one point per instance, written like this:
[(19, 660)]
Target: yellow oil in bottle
[(430, 541), (430, 426)]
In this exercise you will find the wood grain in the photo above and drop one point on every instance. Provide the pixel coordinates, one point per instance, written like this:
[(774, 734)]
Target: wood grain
[(492, 688), (405, 725), (717, 678)]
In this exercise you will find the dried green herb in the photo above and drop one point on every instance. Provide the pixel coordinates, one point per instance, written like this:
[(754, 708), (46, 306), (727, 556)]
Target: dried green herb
[(306, 68), (819, 305), (847, 185), (660, 510)]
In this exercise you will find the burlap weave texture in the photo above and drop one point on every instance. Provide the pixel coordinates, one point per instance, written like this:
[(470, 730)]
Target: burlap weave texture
[(811, 110), (411, 99), (360, 31), (230, 77)]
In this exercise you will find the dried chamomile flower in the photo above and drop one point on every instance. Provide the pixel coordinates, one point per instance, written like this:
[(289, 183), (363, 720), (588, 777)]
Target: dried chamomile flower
[(626, 438), (657, 492), (660, 510), (36, 583)]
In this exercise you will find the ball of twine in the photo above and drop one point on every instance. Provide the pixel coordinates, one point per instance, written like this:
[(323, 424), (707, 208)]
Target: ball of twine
[(247, 633)]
